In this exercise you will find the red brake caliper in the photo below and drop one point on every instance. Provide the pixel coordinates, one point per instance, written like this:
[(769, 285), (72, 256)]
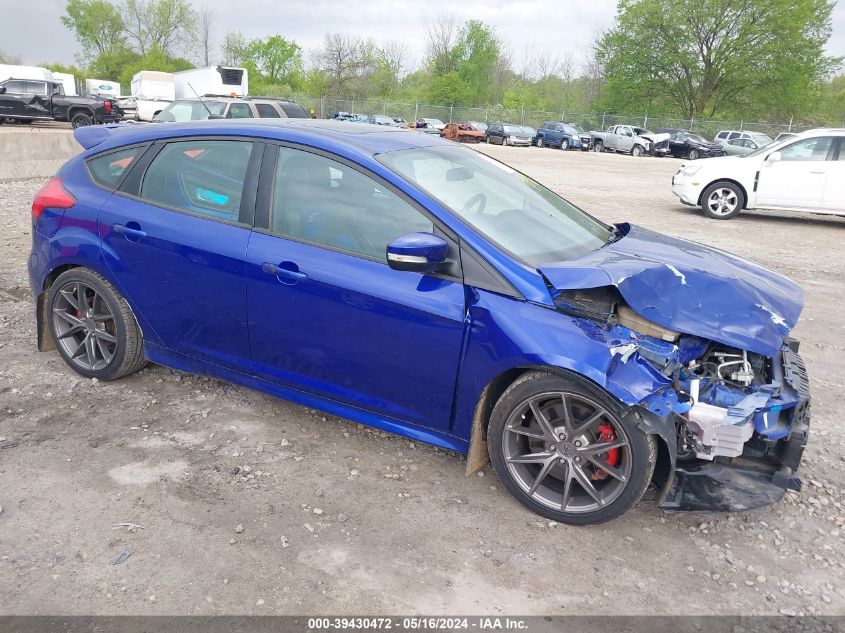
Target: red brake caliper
[(605, 435)]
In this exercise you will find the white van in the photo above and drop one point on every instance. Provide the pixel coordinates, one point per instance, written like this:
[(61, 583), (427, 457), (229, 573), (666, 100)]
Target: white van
[(24, 72), (102, 88), (214, 80), (68, 82)]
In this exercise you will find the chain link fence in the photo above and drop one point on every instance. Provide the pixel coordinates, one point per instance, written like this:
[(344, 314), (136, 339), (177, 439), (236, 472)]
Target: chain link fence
[(325, 107)]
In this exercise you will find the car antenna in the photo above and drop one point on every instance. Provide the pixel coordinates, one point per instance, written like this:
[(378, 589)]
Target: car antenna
[(201, 101)]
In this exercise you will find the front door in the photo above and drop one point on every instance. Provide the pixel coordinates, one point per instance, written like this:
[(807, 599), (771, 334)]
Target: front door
[(328, 316), (798, 179), (833, 199), (177, 246)]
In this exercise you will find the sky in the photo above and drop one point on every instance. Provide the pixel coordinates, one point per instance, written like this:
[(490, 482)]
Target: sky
[(32, 28)]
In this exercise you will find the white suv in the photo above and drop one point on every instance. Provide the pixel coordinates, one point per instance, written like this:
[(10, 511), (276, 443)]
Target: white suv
[(804, 173)]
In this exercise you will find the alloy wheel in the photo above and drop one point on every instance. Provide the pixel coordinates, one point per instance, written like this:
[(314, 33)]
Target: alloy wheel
[(567, 452), (84, 326), (722, 201)]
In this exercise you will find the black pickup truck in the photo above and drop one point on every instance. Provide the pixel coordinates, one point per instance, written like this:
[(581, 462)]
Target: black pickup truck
[(27, 100)]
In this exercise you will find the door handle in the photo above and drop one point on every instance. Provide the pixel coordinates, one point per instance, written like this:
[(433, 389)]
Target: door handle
[(284, 271), (130, 232)]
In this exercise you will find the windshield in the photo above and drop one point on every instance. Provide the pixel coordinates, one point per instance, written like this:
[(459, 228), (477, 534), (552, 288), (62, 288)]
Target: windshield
[(512, 129), (530, 131), (765, 145), (190, 110), (514, 212), (695, 138)]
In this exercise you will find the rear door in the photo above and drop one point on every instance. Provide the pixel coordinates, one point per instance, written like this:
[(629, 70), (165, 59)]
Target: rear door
[(176, 235), (833, 198), (798, 179), (13, 98)]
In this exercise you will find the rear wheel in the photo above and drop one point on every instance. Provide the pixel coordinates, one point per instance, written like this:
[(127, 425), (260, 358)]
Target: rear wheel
[(81, 119), (561, 446), (722, 200), (93, 327)]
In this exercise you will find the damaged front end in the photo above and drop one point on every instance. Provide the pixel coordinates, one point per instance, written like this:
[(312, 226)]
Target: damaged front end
[(734, 420)]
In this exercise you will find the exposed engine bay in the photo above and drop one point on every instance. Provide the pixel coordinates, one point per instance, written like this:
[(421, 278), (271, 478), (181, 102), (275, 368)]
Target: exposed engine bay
[(729, 405)]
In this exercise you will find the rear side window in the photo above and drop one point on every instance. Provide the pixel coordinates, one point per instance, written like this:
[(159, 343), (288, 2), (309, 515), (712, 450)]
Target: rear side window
[(722, 135), (734, 135), (108, 170), (201, 177), (15, 86), (293, 110), (266, 111)]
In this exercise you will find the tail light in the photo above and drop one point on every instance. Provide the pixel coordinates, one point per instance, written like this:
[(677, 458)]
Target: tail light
[(52, 196), (107, 106)]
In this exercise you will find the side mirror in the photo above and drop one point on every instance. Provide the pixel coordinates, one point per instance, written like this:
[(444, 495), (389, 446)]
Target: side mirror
[(774, 157), (417, 252)]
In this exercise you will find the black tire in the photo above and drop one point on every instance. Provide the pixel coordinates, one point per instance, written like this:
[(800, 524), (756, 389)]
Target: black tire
[(128, 347), (539, 141), (637, 151), (81, 119), (732, 205), (564, 144), (487, 138), (693, 154), (598, 146), (638, 459)]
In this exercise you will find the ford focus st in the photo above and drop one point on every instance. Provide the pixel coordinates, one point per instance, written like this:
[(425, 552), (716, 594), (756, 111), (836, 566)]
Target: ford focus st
[(408, 283)]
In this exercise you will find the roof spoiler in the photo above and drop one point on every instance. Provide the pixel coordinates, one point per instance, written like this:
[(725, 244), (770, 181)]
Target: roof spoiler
[(92, 135)]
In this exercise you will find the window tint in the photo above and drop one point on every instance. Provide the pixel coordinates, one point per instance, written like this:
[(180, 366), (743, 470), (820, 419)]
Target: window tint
[(204, 177), (733, 135), (296, 111), (239, 111), (807, 149), (108, 170), (323, 201), (722, 135), (15, 86), (266, 111)]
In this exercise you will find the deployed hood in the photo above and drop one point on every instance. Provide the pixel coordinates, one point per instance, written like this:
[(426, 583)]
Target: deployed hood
[(689, 288)]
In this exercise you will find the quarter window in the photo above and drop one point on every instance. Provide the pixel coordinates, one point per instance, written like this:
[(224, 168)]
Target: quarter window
[(202, 177), (320, 200), (108, 170), (15, 87)]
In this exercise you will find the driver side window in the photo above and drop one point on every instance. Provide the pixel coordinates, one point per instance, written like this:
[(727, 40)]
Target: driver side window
[(809, 149), (326, 202)]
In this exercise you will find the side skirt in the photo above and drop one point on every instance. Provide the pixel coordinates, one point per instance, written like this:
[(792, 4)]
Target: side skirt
[(183, 362)]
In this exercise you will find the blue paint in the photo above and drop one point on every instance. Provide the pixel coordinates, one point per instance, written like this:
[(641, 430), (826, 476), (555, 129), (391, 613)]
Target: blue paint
[(402, 351)]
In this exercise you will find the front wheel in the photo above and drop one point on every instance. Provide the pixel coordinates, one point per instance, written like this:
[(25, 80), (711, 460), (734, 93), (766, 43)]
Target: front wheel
[(693, 154), (487, 138), (562, 447), (564, 144), (598, 146), (637, 151), (93, 327), (722, 200), (539, 141)]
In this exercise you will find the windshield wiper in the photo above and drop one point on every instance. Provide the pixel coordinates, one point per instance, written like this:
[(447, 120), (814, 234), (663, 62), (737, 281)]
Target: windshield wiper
[(615, 236)]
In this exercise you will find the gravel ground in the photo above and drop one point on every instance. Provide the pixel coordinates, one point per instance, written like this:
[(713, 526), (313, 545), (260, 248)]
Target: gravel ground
[(234, 502)]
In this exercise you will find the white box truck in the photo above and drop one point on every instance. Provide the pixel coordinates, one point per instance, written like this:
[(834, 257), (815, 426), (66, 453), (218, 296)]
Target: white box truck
[(37, 73), (214, 80), (102, 88), (151, 92), (68, 82)]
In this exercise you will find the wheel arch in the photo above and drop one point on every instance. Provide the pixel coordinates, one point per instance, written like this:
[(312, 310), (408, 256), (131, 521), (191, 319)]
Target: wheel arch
[(477, 456), (730, 180)]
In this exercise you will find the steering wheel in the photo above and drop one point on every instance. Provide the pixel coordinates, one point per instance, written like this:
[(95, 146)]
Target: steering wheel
[(478, 200)]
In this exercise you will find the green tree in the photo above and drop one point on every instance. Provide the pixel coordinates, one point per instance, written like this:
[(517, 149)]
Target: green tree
[(233, 49), (717, 57), (97, 25), (166, 25), (277, 60)]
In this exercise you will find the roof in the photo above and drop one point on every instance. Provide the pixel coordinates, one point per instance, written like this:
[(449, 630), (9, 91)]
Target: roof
[(355, 138)]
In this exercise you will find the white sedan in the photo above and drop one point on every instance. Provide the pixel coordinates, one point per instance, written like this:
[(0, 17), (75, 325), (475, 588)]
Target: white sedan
[(805, 173)]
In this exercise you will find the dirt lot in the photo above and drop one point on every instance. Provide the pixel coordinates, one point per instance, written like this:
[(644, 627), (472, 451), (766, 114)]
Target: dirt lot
[(252, 505)]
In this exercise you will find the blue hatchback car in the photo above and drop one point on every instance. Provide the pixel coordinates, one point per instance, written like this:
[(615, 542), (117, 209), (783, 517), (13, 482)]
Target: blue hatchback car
[(412, 284)]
